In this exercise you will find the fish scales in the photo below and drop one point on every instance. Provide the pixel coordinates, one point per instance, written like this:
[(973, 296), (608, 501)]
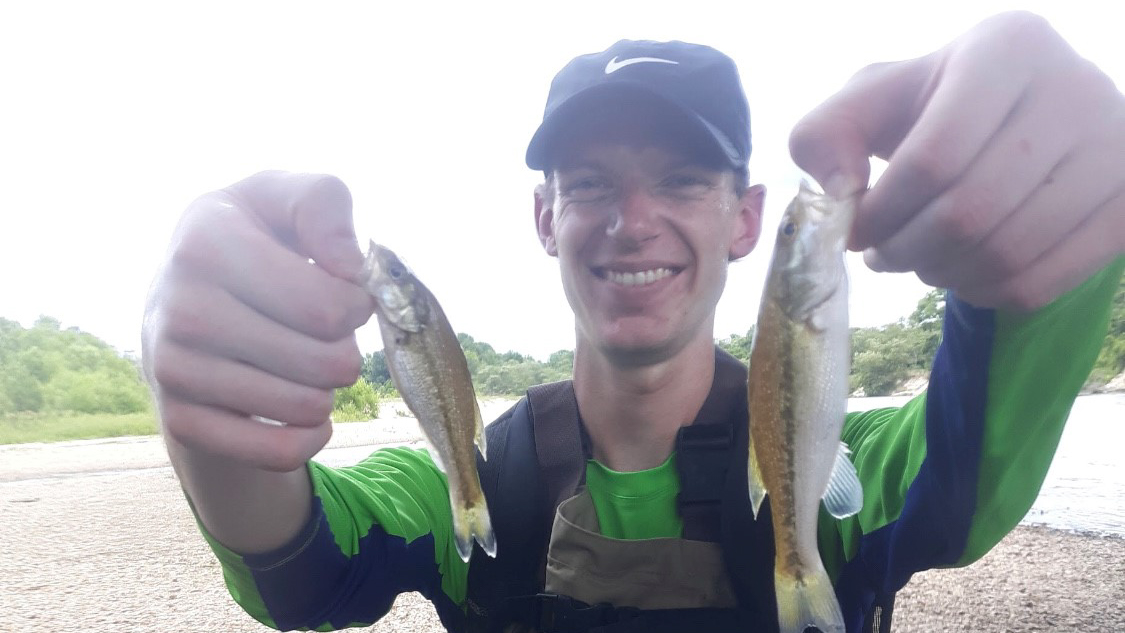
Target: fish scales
[(797, 390), (431, 374)]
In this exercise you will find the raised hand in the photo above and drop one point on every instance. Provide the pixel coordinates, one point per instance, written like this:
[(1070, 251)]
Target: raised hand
[(1006, 163), (241, 326)]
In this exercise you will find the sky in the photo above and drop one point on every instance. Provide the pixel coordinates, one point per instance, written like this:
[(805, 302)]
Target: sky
[(115, 115)]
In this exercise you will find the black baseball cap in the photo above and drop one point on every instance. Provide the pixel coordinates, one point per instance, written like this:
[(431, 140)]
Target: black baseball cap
[(695, 80)]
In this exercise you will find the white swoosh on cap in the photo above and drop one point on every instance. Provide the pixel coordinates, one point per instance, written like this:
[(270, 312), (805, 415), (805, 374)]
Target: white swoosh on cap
[(615, 65)]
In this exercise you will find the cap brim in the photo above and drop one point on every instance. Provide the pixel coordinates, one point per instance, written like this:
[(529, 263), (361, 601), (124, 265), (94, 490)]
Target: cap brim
[(581, 105)]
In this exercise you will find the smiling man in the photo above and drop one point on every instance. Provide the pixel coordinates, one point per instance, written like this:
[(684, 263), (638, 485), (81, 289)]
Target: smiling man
[(619, 500)]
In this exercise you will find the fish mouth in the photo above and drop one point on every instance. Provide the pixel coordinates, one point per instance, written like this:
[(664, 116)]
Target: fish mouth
[(636, 277)]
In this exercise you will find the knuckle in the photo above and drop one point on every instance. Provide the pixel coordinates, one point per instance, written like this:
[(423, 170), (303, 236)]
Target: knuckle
[(1005, 260), (1025, 30), (328, 320), (1026, 296), (871, 72), (287, 452), (931, 277), (167, 372), (177, 422), (313, 404), (187, 321), (932, 163), (967, 216), (194, 248), (337, 365)]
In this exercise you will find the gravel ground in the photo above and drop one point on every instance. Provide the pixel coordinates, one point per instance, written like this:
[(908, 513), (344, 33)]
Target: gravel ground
[(96, 537)]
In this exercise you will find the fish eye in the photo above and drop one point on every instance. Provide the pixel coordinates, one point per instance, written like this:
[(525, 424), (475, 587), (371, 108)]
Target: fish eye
[(397, 271), (789, 228)]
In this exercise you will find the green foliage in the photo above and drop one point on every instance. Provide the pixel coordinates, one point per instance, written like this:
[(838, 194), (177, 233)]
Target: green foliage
[(884, 357), (19, 428), (355, 403), (46, 369), (375, 369), (739, 346), (927, 319), (1111, 360)]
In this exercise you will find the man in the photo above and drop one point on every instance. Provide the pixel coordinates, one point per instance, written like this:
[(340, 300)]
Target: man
[(1005, 184)]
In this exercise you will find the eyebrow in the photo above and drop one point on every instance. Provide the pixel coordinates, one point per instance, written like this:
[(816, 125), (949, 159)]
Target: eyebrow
[(585, 163)]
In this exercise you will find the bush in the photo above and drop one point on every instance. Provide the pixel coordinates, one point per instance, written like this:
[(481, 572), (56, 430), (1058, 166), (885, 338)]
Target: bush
[(355, 403)]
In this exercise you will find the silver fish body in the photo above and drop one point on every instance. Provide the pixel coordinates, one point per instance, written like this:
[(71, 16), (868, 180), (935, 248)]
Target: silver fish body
[(431, 374), (797, 390)]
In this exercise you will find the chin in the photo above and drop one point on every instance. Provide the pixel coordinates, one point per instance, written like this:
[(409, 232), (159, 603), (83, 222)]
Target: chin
[(639, 353)]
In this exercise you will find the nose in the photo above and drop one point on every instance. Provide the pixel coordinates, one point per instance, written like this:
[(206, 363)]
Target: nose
[(634, 218)]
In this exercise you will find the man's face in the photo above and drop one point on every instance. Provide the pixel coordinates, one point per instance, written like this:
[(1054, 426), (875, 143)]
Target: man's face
[(643, 233)]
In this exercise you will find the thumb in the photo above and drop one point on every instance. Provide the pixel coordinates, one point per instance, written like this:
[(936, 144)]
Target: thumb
[(310, 213), (868, 117)]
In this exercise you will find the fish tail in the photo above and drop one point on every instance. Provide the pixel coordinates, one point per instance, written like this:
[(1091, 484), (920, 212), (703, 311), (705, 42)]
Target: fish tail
[(478, 433), (471, 522), (807, 600)]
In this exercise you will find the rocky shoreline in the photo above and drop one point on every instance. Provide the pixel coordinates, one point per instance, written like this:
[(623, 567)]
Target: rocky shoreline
[(97, 537)]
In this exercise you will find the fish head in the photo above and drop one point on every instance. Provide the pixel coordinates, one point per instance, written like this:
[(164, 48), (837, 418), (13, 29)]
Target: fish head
[(397, 293), (808, 260)]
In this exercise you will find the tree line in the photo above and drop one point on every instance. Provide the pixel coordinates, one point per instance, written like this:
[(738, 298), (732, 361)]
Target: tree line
[(48, 369)]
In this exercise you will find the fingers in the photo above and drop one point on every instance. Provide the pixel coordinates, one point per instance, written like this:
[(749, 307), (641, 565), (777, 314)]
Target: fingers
[(241, 326), (223, 244), (970, 103), (1006, 155), (242, 438), (1018, 159), (203, 379), (211, 320), (834, 142), (1093, 245), (311, 213), (1050, 215)]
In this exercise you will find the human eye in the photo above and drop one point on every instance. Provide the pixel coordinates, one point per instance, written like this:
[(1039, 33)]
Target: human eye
[(688, 183), (586, 187)]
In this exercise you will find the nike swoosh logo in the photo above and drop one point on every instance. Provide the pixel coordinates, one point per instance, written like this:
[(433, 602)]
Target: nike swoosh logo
[(614, 65)]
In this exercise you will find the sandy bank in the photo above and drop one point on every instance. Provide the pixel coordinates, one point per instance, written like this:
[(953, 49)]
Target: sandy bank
[(97, 537)]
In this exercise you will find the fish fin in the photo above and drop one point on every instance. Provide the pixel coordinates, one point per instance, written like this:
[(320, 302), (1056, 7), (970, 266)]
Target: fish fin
[(472, 523), (436, 457), (754, 479), (844, 496), (807, 601), (478, 434)]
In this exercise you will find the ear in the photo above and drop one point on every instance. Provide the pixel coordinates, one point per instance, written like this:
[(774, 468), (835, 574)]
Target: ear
[(748, 222), (545, 220)]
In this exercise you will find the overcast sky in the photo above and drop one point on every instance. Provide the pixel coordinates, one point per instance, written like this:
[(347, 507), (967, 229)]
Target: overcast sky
[(114, 116)]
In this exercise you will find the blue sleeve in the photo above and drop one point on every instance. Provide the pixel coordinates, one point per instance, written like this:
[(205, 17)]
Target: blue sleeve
[(954, 470), (378, 529)]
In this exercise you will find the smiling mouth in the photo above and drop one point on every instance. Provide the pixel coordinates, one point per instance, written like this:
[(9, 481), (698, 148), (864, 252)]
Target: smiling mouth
[(635, 278)]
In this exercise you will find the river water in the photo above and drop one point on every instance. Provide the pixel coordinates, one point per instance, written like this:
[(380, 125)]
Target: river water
[(1085, 487)]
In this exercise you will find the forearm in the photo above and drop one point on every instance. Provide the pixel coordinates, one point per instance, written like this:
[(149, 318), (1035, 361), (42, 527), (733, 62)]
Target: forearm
[(247, 509)]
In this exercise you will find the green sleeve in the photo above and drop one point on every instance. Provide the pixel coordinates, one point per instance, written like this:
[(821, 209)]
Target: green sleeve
[(379, 528), (996, 406)]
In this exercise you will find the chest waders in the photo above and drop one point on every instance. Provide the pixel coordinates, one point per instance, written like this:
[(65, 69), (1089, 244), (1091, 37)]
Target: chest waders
[(555, 573)]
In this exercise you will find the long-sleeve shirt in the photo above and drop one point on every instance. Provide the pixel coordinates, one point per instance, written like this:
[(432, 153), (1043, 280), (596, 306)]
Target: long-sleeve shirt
[(945, 477)]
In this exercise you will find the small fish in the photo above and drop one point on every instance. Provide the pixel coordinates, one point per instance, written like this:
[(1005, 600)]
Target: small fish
[(797, 390), (429, 370)]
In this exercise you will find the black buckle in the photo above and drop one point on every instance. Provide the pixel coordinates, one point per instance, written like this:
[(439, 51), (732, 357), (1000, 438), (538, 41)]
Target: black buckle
[(702, 458)]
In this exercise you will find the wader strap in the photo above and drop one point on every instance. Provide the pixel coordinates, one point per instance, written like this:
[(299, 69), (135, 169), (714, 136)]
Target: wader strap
[(702, 459), (703, 452), (558, 439)]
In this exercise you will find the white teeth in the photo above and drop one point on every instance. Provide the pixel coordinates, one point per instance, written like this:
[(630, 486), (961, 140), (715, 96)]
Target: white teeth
[(641, 278)]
